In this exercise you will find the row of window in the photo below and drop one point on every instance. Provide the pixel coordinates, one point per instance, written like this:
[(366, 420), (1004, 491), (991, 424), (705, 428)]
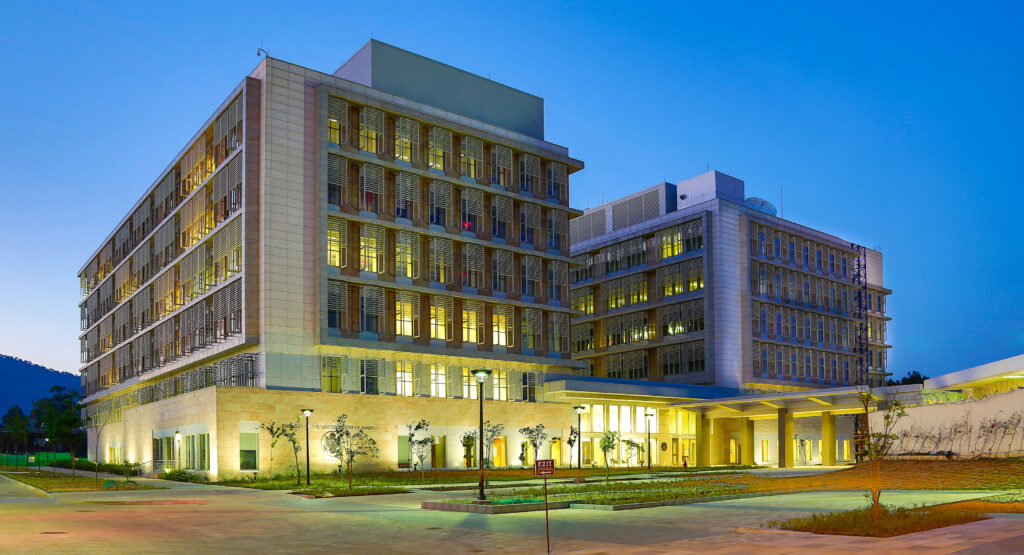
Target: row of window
[(402, 252), (377, 376), (669, 243), (673, 320), (201, 160), (790, 324), (202, 269), (676, 279), (406, 140), (677, 359), (383, 312), (800, 252), (473, 211), (792, 286), (197, 219), (782, 362)]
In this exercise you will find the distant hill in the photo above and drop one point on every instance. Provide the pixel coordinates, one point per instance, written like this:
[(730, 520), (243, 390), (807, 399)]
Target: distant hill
[(24, 382)]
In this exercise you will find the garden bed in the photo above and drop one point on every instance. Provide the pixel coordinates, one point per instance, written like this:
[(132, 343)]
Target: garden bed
[(53, 483), (680, 501), (341, 489), (459, 506), (891, 522)]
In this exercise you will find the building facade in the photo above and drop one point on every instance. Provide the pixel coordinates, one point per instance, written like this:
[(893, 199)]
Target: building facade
[(351, 243), (694, 283)]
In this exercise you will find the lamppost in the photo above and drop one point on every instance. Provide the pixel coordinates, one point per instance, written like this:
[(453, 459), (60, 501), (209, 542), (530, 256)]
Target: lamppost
[(177, 449), (579, 442), (481, 375), (650, 448), (307, 413)]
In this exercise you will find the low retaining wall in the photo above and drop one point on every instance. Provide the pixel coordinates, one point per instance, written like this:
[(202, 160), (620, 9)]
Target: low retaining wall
[(494, 509)]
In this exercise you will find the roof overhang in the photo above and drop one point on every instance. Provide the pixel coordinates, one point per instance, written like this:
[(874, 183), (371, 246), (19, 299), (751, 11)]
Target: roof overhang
[(1006, 369), (842, 400), (585, 389)]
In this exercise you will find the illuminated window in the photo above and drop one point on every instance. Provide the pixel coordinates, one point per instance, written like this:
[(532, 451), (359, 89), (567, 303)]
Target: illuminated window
[(330, 374), (407, 313), (337, 118), (371, 249), (502, 325), (500, 379), (248, 447), (371, 127), (441, 318), (597, 418), (337, 240), (407, 137), (583, 300), (403, 379), (472, 321), (438, 380), (469, 384), (440, 260), (407, 254)]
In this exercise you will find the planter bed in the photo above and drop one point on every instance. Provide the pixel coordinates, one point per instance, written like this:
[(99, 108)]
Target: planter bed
[(486, 509), (684, 501)]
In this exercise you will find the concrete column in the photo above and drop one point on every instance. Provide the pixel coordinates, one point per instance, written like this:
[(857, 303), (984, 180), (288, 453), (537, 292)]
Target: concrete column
[(703, 441), (746, 441), (785, 439), (828, 439)]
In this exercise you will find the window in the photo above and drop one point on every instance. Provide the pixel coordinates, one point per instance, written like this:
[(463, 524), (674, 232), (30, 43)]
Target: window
[(472, 210), (831, 263), (407, 254), (337, 180), (472, 321), (440, 260), (440, 196), (337, 305), (530, 275), (530, 387), (371, 129), (337, 119), (529, 173), (501, 271), (558, 330), (407, 313), (337, 243), (407, 196), (501, 217), (502, 325), (369, 375), (331, 374), (817, 260), (370, 304), (558, 280), (371, 179), (500, 379), (558, 225), (439, 148), (438, 380), (682, 318), (529, 223), (371, 249), (403, 378), (248, 445), (556, 180), (583, 300), (531, 328), (805, 262), (792, 253), (407, 138), (441, 318), (501, 166), (471, 157), (469, 385), (681, 239), (585, 270), (683, 277), (583, 337), (685, 358)]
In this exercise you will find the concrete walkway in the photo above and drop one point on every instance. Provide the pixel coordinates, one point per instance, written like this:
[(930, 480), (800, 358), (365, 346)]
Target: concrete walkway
[(203, 519)]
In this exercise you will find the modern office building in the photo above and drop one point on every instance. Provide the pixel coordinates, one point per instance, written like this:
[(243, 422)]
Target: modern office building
[(355, 242), (360, 242), (695, 283)]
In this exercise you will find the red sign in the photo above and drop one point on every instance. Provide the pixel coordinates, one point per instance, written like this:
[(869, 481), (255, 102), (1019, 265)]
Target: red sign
[(544, 467)]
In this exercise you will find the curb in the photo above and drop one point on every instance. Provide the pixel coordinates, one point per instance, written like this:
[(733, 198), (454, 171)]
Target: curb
[(686, 501), (493, 509), (31, 487)]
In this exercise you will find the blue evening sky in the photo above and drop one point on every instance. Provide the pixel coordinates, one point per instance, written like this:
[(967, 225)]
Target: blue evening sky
[(893, 126)]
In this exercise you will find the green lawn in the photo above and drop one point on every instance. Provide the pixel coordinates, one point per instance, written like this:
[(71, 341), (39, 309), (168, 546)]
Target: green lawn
[(890, 521), (50, 482), (623, 492)]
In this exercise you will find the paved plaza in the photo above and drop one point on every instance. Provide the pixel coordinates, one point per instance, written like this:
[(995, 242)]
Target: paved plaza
[(201, 519)]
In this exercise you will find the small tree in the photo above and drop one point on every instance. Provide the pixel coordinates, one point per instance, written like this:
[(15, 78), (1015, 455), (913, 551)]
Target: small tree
[(878, 444), (535, 436), (574, 436), (419, 448), (62, 420), (468, 447), (15, 423), (347, 444), (633, 449), (93, 421), (609, 442), (287, 431)]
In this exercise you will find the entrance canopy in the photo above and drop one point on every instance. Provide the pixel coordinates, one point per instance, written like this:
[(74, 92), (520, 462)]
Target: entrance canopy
[(586, 389), (987, 374), (842, 400)]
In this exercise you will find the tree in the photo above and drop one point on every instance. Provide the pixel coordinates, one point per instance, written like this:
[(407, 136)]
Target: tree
[(93, 422), (61, 420), (419, 448), (535, 436), (633, 449), (347, 444), (468, 447), (15, 423), (914, 377), (609, 442), (287, 431), (876, 445)]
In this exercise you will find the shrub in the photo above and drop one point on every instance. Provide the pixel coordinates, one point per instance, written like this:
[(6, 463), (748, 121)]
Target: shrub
[(894, 521)]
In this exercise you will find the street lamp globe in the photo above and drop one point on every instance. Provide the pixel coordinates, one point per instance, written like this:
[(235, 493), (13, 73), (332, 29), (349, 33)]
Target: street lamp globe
[(579, 409), (481, 374), (307, 412)]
